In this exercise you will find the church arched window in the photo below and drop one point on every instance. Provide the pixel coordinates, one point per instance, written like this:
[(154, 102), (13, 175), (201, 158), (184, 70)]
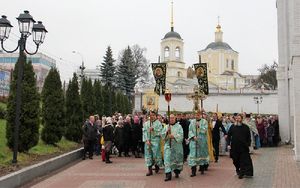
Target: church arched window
[(177, 52), (179, 74), (167, 51)]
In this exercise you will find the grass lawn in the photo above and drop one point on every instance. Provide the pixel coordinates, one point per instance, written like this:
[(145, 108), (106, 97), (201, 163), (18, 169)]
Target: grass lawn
[(3, 105), (41, 150)]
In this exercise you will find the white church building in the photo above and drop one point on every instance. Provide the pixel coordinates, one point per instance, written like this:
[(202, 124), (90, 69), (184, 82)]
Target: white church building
[(227, 88), (288, 76)]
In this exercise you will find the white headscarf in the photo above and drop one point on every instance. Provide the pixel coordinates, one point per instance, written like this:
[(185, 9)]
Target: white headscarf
[(109, 120)]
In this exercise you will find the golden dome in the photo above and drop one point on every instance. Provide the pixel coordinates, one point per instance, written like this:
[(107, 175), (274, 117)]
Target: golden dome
[(218, 28)]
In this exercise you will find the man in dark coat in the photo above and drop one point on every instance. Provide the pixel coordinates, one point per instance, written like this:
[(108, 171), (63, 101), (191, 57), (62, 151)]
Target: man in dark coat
[(185, 127), (127, 136), (89, 137), (98, 137), (239, 140), (275, 125), (136, 135), (217, 125)]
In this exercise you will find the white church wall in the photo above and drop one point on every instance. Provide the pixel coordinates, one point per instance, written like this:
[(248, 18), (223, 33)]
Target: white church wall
[(295, 69), (288, 14), (283, 59), (230, 103)]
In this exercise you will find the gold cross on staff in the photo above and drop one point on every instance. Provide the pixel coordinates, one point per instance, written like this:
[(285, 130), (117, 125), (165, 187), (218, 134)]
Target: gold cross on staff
[(196, 96)]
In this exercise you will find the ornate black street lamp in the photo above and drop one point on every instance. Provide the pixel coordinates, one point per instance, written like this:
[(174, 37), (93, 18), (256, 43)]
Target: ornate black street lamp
[(82, 67), (27, 27)]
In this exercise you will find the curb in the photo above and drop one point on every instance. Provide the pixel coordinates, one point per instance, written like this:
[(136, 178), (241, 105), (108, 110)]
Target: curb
[(28, 174)]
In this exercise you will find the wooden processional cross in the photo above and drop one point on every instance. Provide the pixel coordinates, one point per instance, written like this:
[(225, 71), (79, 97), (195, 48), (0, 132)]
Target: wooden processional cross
[(197, 96)]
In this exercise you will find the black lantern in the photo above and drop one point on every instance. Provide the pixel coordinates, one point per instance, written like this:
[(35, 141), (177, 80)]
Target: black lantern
[(5, 28), (38, 33), (25, 23)]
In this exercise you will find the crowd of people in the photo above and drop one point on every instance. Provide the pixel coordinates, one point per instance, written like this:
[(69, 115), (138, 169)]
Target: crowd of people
[(114, 134), (168, 142)]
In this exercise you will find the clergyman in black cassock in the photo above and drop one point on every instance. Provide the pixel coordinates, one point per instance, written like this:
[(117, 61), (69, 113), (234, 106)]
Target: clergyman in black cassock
[(185, 126), (239, 139)]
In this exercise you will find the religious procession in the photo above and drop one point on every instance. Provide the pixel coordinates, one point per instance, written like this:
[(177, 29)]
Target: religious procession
[(171, 142), (196, 140)]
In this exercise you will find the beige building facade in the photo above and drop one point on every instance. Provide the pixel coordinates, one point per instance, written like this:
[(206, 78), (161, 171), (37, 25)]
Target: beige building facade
[(226, 85), (222, 63), (41, 64)]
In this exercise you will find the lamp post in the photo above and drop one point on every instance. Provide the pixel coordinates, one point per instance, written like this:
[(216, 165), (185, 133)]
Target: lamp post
[(82, 67), (27, 27), (258, 100)]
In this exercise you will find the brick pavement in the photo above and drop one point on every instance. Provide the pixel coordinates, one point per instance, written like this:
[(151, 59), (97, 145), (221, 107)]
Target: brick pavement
[(273, 167)]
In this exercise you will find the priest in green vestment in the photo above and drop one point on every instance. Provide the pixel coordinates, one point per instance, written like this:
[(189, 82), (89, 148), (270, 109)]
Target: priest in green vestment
[(152, 138), (173, 150), (198, 155)]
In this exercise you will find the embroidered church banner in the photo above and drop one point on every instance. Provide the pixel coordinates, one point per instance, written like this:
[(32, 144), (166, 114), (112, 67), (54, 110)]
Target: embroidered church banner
[(201, 73), (159, 72)]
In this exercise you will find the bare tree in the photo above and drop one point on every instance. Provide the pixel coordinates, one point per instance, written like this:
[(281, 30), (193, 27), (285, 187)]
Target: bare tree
[(142, 65), (267, 76)]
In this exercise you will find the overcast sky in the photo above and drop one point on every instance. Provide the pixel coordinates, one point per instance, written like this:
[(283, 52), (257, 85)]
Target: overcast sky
[(250, 27)]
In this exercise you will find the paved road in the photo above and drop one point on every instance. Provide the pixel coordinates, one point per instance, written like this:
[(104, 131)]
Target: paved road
[(273, 167)]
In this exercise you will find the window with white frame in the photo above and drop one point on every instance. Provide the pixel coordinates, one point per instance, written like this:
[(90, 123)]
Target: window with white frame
[(167, 51), (177, 52)]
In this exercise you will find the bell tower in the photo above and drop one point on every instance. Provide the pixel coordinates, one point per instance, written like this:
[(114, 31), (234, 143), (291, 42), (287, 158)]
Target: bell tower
[(172, 48)]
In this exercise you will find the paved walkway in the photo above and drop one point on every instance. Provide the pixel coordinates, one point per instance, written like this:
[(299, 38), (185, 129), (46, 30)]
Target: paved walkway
[(273, 167)]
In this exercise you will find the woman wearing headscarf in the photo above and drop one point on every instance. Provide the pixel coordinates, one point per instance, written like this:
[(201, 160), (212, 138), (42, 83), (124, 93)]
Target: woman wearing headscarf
[(108, 134), (119, 136)]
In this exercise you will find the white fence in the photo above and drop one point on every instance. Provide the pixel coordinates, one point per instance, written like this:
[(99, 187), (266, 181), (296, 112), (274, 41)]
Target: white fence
[(225, 102)]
